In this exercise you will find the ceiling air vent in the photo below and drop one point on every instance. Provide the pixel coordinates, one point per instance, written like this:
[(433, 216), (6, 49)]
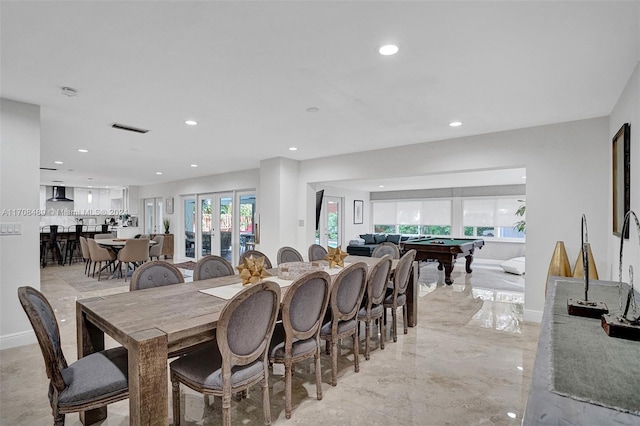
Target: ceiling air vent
[(47, 168), (128, 128)]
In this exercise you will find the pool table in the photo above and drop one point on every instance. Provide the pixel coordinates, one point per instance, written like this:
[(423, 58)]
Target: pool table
[(445, 251)]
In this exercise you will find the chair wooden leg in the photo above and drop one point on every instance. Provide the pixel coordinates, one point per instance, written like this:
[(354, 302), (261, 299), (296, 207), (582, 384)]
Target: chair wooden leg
[(334, 362), (58, 419), (404, 318), (356, 352), (318, 375), (382, 330), (394, 324), (367, 336), (266, 406), (99, 270), (226, 409), (287, 388), (175, 393)]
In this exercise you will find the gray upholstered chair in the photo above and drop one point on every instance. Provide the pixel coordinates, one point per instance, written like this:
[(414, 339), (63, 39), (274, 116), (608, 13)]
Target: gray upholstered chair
[(256, 254), (316, 252), (91, 382), (134, 252), (346, 297), (289, 254), (212, 267), (98, 255), (372, 308), (386, 248), (156, 249), (156, 273), (397, 297), (238, 359), (297, 337)]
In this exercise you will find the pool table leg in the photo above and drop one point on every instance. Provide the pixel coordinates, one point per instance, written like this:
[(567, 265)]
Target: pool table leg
[(467, 265), (448, 267)]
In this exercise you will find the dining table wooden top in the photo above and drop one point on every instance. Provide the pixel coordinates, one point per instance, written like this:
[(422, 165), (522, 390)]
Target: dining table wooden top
[(151, 323)]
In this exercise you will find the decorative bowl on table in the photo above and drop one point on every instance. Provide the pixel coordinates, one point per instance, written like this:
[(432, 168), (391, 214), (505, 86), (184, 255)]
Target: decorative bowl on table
[(294, 270)]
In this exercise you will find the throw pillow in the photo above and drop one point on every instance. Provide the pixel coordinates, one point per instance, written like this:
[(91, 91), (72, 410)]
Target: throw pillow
[(368, 238), (393, 238), (380, 238)]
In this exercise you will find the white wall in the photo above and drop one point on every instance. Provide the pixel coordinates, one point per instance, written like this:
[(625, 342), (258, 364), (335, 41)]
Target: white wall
[(242, 180), (627, 110), (19, 189), (567, 175)]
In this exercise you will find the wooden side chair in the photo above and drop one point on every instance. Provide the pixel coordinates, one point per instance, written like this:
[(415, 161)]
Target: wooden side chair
[(289, 254), (91, 382), (397, 297), (346, 297), (256, 254), (297, 337), (386, 248), (372, 305), (316, 252), (238, 359), (212, 266), (156, 273)]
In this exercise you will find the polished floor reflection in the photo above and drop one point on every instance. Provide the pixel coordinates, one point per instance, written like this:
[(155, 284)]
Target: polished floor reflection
[(468, 362)]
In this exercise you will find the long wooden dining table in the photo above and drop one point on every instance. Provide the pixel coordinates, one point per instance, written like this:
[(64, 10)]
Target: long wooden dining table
[(152, 323)]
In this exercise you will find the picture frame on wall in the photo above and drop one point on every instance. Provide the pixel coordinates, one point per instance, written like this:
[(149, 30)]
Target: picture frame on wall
[(621, 153), (358, 212), (169, 205)]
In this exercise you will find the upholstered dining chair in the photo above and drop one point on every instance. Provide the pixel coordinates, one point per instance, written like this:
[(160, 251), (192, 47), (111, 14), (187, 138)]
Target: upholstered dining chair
[(346, 297), (133, 252), (156, 249), (317, 252), (91, 382), (289, 254), (212, 266), (297, 337), (372, 305), (156, 273), (98, 255), (84, 248), (238, 359), (256, 254), (386, 248), (397, 296)]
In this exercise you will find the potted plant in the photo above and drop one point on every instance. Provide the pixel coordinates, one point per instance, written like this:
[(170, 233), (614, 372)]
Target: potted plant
[(166, 224), (521, 225)]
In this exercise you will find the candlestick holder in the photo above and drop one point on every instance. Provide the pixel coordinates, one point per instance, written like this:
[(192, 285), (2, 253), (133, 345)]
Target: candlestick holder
[(626, 324), (586, 307)]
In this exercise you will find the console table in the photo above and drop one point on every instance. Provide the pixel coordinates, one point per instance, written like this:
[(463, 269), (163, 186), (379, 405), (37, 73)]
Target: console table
[(548, 407)]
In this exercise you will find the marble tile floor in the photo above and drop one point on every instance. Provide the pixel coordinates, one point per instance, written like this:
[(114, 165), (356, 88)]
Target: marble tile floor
[(468, 362)]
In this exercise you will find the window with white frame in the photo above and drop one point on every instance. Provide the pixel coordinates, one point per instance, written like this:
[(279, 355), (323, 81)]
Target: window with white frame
[(491, 217), (412, 217)]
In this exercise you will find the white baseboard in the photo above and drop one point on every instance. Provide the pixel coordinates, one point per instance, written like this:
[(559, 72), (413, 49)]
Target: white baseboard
[(532, 316), (17, 339)]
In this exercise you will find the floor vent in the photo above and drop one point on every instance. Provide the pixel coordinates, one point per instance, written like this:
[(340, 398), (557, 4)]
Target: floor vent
[(128, 128)]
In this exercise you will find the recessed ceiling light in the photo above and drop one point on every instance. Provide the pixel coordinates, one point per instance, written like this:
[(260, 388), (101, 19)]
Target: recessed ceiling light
[(158, 173), (293, 148), (313, 109), (380, 186), (106, 186), (68, 91), (190, 122), (524, 177), (455, 124), (388, 49), (83, 150), (58, 162), (194, 165)]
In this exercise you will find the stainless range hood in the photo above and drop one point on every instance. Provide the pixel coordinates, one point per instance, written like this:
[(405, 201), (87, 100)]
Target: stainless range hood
[(59, 194)]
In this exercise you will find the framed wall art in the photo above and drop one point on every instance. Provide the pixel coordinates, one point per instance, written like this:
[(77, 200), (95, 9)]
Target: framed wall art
[(621, 178), (358, 207)]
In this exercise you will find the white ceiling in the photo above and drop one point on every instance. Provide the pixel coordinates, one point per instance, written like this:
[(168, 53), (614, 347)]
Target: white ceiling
[(247, 72)]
